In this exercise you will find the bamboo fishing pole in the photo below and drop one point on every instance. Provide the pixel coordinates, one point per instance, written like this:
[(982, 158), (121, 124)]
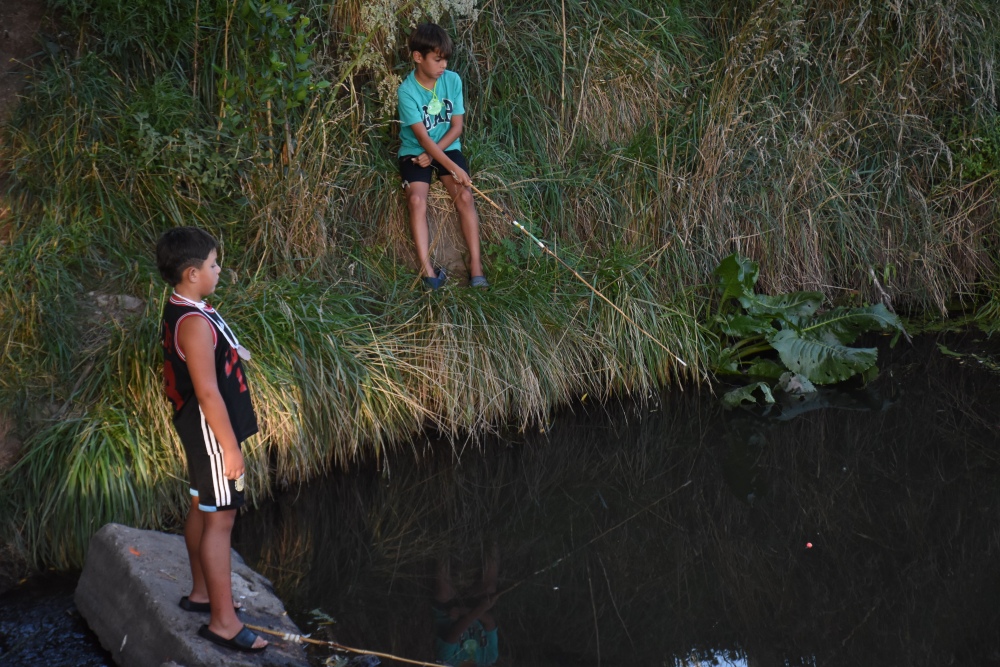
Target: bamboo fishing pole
[(583, 280), (298, 639)]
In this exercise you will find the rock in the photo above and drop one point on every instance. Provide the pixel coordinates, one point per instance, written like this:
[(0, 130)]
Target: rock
[(113, 305), (128, 593)]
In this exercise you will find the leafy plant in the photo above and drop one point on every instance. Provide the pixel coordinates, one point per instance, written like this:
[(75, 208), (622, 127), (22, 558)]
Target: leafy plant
[(272, 73), (812, 344)]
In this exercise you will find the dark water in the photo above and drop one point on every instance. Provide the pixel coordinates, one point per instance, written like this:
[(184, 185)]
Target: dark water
[(857, 529), (39, 625), (682, 532)]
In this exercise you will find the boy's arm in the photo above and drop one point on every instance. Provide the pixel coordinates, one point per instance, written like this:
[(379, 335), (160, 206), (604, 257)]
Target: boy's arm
[(195, 338), (435, 151), (462, 624), (424, 159), (453, 133)]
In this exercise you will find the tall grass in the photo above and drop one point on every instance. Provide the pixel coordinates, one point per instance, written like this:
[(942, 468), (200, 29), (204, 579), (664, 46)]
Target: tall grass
[(644, 141)]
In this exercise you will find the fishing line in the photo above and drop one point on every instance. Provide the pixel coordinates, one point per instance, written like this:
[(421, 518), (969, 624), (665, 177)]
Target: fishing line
[(589, 542), (298, 639), (583, 280)]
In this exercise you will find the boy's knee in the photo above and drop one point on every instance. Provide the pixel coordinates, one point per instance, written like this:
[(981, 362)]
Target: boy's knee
[(220, 520), (464, 198), (415, 200)]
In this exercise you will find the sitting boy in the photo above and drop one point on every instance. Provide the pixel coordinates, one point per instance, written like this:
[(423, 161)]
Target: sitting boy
[(431, 111), (204, 380)]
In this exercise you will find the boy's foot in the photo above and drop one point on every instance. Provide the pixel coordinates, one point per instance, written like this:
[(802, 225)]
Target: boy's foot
[(243, 641), (204, 607), (435, 282), (479, 281)]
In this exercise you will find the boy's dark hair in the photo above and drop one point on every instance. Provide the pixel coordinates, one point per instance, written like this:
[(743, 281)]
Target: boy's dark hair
[(428, 37), (181, 248)]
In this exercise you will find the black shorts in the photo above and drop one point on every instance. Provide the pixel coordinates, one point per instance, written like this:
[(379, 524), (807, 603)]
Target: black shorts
[(204, 458), (411, 172)]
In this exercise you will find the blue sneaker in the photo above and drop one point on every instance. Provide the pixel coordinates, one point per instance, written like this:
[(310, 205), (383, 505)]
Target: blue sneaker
[(479, 281), (436, 282)]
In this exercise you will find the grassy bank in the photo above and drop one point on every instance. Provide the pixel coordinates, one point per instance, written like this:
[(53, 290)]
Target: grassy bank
[(836, 143)]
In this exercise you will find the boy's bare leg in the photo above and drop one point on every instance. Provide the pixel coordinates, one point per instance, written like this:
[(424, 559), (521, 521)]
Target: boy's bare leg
[(488, 586), (216, 565), (416, 202), (193, 529), (444, 589), (491, 571), (465, 206)]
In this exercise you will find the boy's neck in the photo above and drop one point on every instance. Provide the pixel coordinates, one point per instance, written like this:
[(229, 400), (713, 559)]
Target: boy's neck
[(428, 84), (188, 293)]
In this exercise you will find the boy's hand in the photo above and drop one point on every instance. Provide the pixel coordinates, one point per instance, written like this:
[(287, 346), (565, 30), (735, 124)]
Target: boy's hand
[(461, 177), (422, 160), (232, 463)]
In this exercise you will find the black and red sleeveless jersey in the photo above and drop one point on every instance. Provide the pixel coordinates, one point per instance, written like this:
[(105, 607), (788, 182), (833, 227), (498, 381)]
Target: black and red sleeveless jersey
[(228, 369)]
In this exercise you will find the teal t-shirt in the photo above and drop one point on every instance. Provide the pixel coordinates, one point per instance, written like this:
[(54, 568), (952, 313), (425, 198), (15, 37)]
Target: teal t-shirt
[(476, 644), (413, 100)]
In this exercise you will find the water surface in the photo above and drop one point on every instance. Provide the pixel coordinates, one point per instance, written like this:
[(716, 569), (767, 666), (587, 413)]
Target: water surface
[(858, 528)]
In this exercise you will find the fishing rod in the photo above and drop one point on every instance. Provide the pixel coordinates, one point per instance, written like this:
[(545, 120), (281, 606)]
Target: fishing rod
[(298, 639), (589, 542), (583, 280)]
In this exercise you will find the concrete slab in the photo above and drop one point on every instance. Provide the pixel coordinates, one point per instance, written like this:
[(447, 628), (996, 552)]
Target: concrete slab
[(128, 594)]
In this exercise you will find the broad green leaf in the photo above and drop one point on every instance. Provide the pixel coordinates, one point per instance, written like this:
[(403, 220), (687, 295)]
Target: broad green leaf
[(766, 368), (821, 361), (792, 307), (736, 397), (728, 361), (846, 324), (795, 384), (737, 276), (744, 326)]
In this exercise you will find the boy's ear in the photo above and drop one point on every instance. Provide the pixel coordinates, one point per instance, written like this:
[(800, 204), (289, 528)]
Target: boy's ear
[(417, 57)]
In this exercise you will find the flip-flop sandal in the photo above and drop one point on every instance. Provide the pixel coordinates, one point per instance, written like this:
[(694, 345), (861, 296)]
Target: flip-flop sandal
[(203, 607), (479, 281), (437, 281), (243, 641)]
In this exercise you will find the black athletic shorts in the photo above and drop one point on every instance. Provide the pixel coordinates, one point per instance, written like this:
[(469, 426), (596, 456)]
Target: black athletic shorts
[(411, 172), (204, 459)]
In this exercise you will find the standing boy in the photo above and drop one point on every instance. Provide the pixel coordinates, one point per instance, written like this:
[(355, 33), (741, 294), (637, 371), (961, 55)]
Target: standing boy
[(204, 380), (431, 113)]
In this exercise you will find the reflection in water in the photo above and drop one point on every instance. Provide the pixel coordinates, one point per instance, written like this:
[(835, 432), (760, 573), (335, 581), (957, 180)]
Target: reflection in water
[(676, 535), (464, 627)]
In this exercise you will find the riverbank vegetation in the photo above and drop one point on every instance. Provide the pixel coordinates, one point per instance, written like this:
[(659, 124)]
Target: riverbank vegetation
[(850, 148)]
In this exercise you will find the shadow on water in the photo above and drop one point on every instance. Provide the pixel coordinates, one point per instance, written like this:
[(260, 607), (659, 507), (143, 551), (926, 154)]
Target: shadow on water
[(673, 535), (864, 532)]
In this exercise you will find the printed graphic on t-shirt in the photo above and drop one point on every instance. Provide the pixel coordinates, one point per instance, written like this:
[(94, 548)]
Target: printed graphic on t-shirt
[(430, 122)]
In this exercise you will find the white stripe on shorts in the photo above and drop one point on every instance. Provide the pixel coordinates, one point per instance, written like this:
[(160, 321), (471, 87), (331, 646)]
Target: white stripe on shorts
[(219, 482)]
